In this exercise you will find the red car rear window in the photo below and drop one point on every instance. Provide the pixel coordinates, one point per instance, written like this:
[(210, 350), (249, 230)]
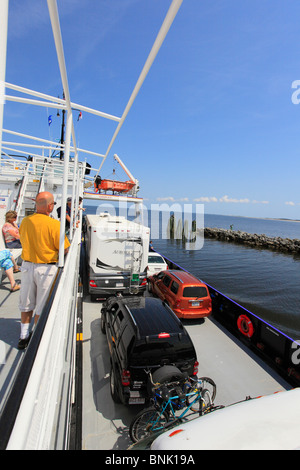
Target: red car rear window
[(195, 291)]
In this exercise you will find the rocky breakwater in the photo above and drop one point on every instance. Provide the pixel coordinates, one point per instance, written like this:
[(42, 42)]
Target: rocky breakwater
[(285, 245)]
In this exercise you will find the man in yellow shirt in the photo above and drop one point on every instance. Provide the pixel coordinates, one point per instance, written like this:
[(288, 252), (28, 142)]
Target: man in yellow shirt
[(39, 236)]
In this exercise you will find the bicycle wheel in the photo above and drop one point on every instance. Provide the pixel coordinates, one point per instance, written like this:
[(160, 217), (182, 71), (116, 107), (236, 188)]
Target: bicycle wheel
[(208, 384), (146, 422), (196, 391), (205, 401)]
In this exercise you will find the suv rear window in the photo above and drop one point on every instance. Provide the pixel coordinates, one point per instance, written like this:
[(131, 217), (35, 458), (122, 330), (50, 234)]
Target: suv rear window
[(195, 291)]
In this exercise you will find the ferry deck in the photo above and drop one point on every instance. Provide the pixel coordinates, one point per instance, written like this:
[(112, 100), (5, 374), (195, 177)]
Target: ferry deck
[(236, 372)]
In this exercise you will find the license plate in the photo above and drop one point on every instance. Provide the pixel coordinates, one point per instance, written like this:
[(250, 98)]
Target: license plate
[(136, 401), (119, 284), (135, 394), (195, 303)]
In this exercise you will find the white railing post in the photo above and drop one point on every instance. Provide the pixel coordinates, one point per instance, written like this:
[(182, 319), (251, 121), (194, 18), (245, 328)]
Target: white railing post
[(3, 47)]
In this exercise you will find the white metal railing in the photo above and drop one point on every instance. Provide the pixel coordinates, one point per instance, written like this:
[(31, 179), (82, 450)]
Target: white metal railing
[(11, 166), (55, 167), (40, 422), (22, 190)]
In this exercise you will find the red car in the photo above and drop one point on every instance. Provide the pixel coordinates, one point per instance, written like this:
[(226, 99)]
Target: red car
[(187, 296)]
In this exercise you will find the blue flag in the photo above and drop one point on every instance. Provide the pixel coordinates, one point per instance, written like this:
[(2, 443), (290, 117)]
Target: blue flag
[(50, 119)]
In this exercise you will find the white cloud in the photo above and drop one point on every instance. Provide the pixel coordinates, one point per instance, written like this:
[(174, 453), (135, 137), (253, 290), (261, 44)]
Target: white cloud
[(206, 199), (224, 199), (169, 198), (290, 203), (228, 199)]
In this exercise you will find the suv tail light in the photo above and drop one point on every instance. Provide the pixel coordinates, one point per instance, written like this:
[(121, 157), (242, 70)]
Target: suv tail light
[(93, 284), (195, 371), (177, 304), (125, 378), (144, 282)]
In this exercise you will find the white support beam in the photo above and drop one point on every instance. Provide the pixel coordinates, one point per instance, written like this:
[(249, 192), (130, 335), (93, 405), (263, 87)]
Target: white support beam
[(52, 7), (172, 12), (46, 104), (3, 48), (38, 139), (59, 103), (27, 136)]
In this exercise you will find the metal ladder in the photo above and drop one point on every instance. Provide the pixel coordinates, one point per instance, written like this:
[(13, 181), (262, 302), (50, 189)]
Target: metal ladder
[(30, 186), (132, 263)]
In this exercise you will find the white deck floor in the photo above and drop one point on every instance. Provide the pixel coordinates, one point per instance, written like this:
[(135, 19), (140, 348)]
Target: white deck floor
[(10, 356), (220, 356)]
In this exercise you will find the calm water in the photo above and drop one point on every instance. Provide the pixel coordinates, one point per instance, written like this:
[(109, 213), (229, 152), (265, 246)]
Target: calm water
[(265, 282)]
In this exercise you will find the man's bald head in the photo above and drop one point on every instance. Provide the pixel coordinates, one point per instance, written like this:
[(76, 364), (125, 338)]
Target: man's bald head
[(44, 203)]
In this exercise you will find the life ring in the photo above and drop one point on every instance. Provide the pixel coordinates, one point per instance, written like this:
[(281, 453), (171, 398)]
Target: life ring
[(245, 326)]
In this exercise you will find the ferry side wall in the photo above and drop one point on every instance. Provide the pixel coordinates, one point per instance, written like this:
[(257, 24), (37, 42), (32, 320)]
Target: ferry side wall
[(279, 351)]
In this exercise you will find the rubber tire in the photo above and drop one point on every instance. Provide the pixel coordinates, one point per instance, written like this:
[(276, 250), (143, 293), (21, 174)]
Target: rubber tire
[(102, 324), (207, 400), (212, 384), (167, 374), (113, 386), (205, 395), (134, 426)]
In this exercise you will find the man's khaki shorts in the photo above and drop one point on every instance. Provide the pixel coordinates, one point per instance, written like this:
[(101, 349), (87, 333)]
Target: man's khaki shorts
[(36, 280)]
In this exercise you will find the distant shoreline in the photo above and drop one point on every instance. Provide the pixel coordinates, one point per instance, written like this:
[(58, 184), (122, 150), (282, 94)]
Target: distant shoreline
[(280, 219), (284, 220)]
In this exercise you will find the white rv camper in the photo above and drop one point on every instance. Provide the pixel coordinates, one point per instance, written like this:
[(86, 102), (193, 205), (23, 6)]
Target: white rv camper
[(117, 251)]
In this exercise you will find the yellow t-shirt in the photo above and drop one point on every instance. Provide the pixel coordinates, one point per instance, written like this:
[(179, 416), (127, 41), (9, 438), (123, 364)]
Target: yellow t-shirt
[(39, 236)]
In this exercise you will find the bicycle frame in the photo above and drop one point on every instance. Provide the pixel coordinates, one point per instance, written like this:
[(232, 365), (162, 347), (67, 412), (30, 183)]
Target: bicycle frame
[(168, 404)]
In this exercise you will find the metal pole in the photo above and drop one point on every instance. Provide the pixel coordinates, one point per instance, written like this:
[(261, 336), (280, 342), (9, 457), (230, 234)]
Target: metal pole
[(3, 47), (65, 190), (52, 7), (172, 12), (62, 136)]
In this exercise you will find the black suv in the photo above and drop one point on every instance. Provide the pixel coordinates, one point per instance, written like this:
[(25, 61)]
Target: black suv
[(143, 335)]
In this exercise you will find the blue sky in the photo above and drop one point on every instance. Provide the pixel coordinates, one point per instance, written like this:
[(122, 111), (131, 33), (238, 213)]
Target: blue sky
[(214, 121)]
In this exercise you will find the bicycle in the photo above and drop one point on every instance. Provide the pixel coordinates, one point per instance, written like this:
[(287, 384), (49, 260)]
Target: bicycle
[(186, 396)]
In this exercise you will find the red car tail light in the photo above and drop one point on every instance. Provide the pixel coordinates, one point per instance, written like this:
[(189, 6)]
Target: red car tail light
[(196, 365), (125, 378), (93, 284), (144, 282)]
